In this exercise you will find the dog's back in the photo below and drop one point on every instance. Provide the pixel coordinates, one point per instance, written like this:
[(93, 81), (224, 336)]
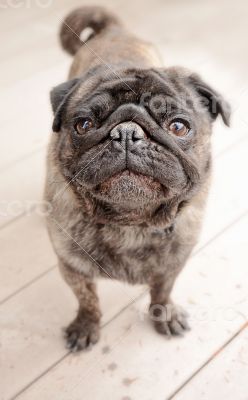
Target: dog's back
[(96, 36)]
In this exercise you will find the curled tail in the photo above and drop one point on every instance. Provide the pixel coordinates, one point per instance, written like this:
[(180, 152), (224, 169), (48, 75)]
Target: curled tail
[(92, 20)]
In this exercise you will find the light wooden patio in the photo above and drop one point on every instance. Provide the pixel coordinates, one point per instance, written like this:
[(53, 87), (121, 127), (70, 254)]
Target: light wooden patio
[(131, 361)]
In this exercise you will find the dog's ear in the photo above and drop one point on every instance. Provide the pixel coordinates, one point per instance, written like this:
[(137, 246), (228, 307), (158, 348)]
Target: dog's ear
[(210, 99), (59, 96)]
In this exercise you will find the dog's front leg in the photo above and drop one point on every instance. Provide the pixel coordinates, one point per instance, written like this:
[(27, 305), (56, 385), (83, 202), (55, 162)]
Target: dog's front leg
[(168, 318), (84, 330)]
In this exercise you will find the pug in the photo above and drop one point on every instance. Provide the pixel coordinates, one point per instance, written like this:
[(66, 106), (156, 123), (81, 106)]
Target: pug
[(128, 169)]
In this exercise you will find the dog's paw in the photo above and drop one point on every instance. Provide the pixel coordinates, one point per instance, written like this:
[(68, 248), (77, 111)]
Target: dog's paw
[(82, 334), (169, 320)]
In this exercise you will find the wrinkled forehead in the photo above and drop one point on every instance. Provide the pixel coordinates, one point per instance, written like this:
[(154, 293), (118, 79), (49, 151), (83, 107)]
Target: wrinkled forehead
[(108, 87)]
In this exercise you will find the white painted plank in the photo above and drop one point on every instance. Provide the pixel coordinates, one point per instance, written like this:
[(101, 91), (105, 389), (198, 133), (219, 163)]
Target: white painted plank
[(31, 322), (22, 14), (223, 378), (26, 252), (141, 363), (30, 128), (21, 187), (228, 193)]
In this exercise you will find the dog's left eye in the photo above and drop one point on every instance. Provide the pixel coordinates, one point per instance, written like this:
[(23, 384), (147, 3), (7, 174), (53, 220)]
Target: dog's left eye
[(179, 128), (83, 125)]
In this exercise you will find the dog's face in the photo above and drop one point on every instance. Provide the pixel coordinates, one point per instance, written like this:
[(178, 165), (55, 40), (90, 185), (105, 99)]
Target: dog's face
[(135, 144)]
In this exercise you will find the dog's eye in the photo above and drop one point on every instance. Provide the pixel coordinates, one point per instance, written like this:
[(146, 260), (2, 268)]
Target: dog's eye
[(83, 125), (178, 128)]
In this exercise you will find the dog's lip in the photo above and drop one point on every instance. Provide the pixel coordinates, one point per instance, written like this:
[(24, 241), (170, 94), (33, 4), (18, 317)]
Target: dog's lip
[(148, 181), (130, 173), (127, 172)]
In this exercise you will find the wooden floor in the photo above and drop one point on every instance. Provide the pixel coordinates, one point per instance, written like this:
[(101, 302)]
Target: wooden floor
[(131, 361)]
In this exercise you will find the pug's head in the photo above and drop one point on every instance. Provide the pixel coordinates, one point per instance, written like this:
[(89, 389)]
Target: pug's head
[(135, 144)]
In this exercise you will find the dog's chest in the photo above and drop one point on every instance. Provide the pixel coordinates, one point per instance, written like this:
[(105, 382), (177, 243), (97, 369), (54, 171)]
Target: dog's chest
[(130, 239), (132, 254)]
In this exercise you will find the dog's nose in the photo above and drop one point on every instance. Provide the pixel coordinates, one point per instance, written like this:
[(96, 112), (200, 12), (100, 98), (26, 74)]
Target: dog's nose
[(127, 131)]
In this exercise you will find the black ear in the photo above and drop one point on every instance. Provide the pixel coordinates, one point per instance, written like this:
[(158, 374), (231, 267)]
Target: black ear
[(212, 100), (59, 96)]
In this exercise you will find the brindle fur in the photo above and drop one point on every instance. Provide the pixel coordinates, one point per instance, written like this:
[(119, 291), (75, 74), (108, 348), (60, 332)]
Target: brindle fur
[(125, 231)]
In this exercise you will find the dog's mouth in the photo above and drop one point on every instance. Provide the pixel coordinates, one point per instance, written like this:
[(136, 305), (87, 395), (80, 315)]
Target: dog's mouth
[(131, 187)]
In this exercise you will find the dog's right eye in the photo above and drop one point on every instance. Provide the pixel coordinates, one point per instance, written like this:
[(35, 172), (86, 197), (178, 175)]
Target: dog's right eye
[(83, 125), (179, 128)]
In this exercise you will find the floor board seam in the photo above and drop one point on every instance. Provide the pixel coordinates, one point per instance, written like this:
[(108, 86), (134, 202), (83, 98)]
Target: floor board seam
[(25, 286), (208, 361), (48, 369)]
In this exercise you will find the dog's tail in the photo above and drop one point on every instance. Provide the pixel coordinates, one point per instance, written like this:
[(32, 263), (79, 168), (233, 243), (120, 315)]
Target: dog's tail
[(87, 22)]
